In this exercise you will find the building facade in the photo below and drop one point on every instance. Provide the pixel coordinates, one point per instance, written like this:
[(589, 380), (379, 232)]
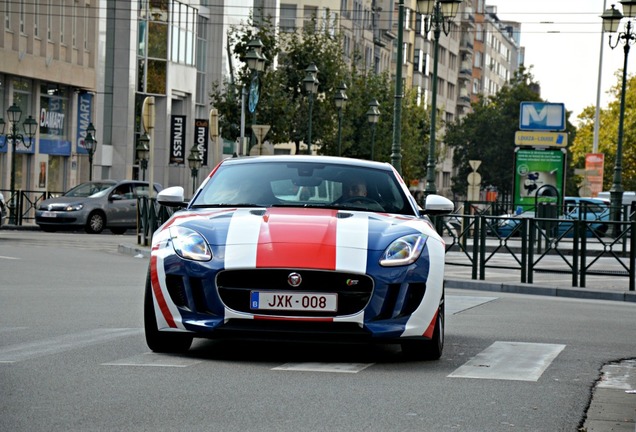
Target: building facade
[(70, 63)]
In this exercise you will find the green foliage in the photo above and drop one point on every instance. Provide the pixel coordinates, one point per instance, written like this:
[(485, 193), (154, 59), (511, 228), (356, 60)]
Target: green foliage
[(284, 102), (608, 135)]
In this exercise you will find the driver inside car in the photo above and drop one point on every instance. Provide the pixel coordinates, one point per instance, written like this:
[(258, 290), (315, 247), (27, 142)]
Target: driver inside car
[(354, 188)]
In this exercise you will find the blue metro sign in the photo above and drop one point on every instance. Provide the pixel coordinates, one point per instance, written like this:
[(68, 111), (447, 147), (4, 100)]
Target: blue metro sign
[(542, 116)]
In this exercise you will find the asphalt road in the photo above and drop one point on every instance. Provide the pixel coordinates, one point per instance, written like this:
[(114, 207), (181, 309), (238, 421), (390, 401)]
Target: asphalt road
[(73, 358)]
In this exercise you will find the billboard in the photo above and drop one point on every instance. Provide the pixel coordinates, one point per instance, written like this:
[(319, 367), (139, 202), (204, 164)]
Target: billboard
[(535, 171)]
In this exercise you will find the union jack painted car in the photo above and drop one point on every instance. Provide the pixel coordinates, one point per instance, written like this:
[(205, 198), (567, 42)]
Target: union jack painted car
[(298, 248)]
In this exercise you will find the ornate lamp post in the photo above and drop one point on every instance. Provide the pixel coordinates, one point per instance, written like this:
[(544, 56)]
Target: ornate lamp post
[(91, 145), (311, 86), (340, 100), (14, 113), (373, 115), (439, 14), (194, 162), (611, 20), (256, 62), (143, 153)]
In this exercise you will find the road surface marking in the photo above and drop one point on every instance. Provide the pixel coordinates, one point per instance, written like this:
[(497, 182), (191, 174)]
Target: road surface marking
[(324, 367), (456, 304), (30, 350), (517, 361), (155, 360)]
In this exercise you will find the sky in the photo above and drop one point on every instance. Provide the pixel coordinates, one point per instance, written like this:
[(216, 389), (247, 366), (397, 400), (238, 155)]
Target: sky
[(563, 45)]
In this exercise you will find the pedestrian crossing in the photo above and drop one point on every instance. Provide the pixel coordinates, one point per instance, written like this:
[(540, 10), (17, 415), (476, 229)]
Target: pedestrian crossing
[(502, 360)]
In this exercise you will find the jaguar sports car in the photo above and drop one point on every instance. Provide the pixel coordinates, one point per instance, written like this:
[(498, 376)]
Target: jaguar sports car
[(301, 248)]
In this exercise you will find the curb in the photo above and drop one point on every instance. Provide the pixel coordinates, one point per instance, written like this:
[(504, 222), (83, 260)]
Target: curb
[(531, 289)]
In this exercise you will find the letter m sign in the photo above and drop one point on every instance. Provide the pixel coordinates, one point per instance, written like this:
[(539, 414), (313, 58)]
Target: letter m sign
[(541, 116)]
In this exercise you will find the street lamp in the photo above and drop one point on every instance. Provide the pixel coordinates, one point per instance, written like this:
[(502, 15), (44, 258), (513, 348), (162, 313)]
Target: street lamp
[(340, 100), (90, 143), (143, 153), (195, 160), (311, 86), (14, 113), (373, 115), (611, 20), (439, 14), (256, 63)]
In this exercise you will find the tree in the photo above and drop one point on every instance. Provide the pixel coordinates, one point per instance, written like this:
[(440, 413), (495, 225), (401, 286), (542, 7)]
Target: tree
[(284, 102), (488, 134), (608, 135)]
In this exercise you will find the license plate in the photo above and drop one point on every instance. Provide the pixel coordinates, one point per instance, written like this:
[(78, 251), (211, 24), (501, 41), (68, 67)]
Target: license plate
[(49, 214), (296, 301)]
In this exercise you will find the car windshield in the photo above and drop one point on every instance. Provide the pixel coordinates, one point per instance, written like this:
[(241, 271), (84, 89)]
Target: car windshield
[(304, 184), (90, 189)]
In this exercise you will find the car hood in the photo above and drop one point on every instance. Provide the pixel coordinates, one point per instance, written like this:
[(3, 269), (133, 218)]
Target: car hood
[(287, 232), (64, 200)]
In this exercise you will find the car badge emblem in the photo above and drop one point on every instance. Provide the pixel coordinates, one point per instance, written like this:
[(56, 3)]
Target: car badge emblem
[(352, 282), (294, 279)]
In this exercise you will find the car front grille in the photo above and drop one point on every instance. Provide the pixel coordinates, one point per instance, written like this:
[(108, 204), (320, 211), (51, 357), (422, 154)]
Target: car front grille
[(353, 290)]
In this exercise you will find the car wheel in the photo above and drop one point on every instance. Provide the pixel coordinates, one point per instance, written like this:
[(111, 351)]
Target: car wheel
[(118, 230), (427, 349), (95, 223), (161, 341)]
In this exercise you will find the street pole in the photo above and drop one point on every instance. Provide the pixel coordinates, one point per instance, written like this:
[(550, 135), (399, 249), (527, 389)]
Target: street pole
[(430, 166), (611, 20), (396, 146)]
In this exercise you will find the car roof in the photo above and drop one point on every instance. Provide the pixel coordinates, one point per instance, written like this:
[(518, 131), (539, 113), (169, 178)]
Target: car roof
[(309, 158)]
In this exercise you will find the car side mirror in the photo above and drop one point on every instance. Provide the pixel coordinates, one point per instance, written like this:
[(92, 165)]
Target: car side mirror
[(172, 197), (437, 205)]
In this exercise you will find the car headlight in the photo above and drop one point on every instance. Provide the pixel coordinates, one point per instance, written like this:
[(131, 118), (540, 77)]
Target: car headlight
[(403, 251), (189, 244), (74, 207)]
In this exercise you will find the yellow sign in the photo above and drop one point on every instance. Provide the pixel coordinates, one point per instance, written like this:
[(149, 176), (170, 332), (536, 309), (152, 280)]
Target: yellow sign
[(542, 139)]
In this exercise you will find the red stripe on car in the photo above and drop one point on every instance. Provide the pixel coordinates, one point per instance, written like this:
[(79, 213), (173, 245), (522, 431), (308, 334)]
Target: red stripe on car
[(297, 238), (154, 281)]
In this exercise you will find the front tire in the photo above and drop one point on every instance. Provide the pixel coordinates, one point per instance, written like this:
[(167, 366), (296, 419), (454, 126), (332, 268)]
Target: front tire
[(427, 349), (161, 342), (95, 223)]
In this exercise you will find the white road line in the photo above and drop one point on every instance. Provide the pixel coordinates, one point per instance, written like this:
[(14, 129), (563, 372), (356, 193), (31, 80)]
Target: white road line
[(456, 304), (8, 258), (30, 350), (324, 367), (518, 361), (154, 360)]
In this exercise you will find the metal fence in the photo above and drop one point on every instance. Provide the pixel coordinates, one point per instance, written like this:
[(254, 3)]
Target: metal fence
[(21, 204), (542, 245)]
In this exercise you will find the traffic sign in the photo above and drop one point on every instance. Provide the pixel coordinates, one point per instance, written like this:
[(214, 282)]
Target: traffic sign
[(543, 139), (542, 116)]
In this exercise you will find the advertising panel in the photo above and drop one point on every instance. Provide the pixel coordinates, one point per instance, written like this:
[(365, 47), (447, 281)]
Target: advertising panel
[(594, 167), (177, 139), (201, 133), (535, 169)]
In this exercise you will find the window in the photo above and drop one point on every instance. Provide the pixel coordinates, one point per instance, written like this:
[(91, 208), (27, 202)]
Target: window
[(74, 26), (442, 55), (310, 16), (22, 29), (62, 19), (49, 20), (477, 63), (451, 90), (36, 19), (202, 42), (86, 27), (182, 21), (452, 61), (288, 17), (7, 14), (479, 33)]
